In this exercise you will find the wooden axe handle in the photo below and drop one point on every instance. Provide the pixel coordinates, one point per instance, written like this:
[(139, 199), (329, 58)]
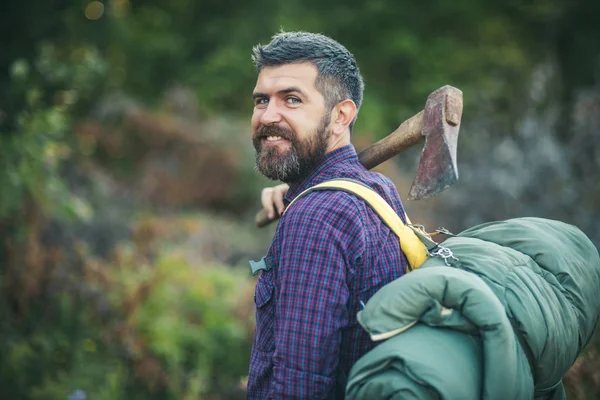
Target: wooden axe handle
[(405, 136)]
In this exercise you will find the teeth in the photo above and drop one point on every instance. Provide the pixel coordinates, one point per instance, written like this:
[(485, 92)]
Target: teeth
[(273, 138)]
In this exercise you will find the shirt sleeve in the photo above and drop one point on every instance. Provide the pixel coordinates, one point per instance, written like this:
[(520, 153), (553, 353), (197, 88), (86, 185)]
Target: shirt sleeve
[(320, 238)]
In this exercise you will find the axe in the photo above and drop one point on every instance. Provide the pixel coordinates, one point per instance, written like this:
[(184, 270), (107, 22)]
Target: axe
[(438, 123)]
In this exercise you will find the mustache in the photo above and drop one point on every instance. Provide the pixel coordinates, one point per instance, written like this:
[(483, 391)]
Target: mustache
[(273, 130)]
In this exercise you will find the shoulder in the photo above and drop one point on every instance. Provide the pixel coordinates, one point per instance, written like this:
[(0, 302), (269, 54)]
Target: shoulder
[(387, 189), (329, 221), (381, 183), (327, 210)]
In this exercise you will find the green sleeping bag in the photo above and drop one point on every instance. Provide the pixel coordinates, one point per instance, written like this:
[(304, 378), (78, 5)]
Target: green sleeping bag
[(505, 321)]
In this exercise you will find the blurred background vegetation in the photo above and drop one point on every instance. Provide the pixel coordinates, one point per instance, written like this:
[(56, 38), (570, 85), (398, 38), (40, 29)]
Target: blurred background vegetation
[(127, 189)]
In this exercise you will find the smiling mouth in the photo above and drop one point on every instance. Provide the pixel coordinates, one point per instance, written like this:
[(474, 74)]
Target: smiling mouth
[(274, 139)]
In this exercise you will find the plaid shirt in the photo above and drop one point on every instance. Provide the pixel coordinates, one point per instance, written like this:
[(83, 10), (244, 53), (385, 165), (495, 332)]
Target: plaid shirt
[(330, 253)]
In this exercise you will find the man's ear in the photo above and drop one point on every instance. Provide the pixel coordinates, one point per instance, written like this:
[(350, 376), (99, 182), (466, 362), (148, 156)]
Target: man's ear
[(343, 114)]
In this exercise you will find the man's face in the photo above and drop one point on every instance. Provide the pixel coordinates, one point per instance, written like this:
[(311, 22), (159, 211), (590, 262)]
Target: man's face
[(290, 123)]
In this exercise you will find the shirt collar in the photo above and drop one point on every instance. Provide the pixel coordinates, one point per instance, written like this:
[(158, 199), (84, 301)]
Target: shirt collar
[(346, 154)]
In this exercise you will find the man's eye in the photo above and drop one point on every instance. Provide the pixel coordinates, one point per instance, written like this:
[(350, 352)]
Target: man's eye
[(293, 100), (261, 101)]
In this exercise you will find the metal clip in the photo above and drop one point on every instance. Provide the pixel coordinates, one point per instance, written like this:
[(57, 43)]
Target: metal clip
[(444, 231), (420, 228), (445, 253)]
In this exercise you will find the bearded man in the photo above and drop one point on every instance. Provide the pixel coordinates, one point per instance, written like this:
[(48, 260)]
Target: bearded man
[(331, 252)]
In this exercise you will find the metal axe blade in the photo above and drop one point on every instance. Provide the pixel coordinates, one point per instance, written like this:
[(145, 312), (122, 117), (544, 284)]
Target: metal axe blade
[(441, 123)]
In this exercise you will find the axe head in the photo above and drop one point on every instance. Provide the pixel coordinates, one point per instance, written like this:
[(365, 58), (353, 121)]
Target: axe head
[(441, 123)]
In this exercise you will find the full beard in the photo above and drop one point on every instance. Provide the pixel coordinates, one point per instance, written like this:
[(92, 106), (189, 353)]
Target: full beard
[(295, 163)]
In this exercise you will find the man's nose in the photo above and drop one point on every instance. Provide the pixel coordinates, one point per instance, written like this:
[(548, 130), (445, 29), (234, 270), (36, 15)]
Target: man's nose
[(271, 115)]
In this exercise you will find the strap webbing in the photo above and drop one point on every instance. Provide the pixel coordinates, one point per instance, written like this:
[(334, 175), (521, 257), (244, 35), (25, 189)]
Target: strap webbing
[(413, 248)]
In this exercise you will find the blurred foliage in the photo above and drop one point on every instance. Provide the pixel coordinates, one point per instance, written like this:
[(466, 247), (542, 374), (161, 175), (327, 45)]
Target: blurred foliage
[(34, 152), (127, 183), (146, 322)]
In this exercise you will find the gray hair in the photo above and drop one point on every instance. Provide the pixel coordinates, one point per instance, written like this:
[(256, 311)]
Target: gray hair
[(338, 76)]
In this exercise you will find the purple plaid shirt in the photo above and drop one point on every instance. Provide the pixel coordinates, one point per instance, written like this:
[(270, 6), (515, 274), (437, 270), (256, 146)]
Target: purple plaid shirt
[(330, 253)]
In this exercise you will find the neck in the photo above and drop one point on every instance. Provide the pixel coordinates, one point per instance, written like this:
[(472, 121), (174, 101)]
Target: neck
[(338, 141)]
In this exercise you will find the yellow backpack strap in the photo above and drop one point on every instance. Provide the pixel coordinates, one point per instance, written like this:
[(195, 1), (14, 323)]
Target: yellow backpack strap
[(413, 248)]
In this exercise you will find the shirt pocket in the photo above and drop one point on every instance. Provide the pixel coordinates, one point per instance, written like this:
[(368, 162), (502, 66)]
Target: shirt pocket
[(264, 335)]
